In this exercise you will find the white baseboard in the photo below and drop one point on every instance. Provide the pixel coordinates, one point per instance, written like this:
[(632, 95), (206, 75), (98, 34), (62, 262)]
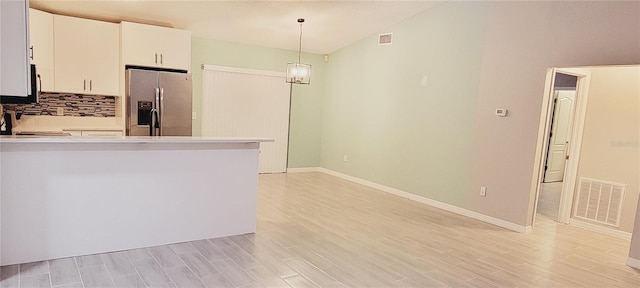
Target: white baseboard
[(600, 229), (634, 263), (430, 202), (303, 170)]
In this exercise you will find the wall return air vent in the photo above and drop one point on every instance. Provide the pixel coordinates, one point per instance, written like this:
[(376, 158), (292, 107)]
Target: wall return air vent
[(385, 39), (599, 201)]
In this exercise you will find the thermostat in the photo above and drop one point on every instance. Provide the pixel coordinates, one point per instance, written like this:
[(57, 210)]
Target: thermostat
[(500, 112)]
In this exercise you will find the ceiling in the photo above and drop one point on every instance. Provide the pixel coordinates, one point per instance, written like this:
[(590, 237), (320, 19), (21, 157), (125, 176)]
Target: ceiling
[(329, 25)]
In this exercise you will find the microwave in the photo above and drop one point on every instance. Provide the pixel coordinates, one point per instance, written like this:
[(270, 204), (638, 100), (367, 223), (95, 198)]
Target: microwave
[(31, 98)]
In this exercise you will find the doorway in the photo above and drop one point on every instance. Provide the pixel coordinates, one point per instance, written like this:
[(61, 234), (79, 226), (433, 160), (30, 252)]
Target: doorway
[(560, 127), (604, 143), (564, 109)]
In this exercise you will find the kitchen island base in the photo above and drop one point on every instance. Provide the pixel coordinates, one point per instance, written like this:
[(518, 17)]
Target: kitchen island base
[(75, 196)]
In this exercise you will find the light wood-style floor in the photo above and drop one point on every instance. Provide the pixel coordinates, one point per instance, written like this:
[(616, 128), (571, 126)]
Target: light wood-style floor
[(549, 199), (315, 230)]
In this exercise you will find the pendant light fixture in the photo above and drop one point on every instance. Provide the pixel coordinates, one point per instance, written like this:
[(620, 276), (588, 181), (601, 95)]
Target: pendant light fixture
[(299, 73)]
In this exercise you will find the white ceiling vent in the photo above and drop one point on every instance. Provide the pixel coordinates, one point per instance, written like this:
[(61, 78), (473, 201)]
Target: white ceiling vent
[(385, 39), (599, 201)]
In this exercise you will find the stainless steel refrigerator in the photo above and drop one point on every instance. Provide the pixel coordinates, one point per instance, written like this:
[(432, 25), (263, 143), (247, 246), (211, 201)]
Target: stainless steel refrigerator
[(158, 103)]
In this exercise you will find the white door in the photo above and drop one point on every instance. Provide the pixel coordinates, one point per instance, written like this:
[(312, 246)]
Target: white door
[(560, 134), (248, 103)]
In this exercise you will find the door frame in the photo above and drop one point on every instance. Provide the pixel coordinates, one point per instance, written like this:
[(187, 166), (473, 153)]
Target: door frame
[(575, 145)]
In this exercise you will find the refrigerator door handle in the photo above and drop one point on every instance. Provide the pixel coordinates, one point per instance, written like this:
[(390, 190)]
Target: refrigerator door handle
[(161, 109), (158, 113), (153, 123)]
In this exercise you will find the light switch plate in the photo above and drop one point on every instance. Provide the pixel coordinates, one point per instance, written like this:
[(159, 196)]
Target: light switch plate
[(193, 115), (60, 111)]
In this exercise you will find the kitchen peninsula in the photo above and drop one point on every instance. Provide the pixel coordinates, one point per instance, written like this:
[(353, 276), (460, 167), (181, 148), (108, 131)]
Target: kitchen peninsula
[(69, 196)]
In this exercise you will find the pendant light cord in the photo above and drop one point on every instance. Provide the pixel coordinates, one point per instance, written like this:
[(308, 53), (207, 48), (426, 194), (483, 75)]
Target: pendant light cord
[(300, 20)]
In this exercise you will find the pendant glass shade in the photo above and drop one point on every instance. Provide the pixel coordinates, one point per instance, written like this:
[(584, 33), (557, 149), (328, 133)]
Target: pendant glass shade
[(298, 73)]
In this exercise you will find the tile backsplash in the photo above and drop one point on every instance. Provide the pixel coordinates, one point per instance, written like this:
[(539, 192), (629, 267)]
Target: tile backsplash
[(74, 105)]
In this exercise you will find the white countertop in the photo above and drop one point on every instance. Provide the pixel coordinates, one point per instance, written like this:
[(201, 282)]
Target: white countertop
[(127, 139)]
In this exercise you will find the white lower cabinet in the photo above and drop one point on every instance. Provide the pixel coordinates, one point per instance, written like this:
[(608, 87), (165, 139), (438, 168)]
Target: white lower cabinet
[(74, 133), (95, 133), (103, 133)]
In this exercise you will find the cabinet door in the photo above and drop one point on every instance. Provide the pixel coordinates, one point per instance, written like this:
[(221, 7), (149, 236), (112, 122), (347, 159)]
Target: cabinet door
[(101, 133), (14, 71), (41, 38), (103, 58), (74, 133), (140, 45), (70, 52), (176, 49)]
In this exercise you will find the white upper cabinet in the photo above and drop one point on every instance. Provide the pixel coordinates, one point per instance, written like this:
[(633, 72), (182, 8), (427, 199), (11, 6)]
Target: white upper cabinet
[(153, 46), (70, 52), (86, 56), (14, 56), (176, 51), (104, 57), (41, 50)]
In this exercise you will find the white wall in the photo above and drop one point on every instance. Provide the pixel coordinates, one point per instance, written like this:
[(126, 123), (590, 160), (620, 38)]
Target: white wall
[(610, 137), (522, 40)]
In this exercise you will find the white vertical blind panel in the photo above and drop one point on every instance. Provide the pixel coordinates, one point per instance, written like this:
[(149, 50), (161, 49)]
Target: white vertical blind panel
[(248, 105)]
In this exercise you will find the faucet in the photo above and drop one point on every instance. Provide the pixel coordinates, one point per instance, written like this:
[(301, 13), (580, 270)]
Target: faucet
[(7, 121)]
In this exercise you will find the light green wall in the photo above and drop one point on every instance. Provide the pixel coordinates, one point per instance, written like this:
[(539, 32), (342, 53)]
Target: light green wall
[(306, 102), (404, 113)]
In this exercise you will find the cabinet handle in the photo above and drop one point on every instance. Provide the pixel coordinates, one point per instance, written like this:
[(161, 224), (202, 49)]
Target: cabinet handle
[(156, 58), (85, 85), (90, 85), (161, 58), (31, 50)]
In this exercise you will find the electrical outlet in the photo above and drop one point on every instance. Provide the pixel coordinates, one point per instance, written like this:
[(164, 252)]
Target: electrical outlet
[(483, 191), (193, 115), (345, 158), (60, 111)]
